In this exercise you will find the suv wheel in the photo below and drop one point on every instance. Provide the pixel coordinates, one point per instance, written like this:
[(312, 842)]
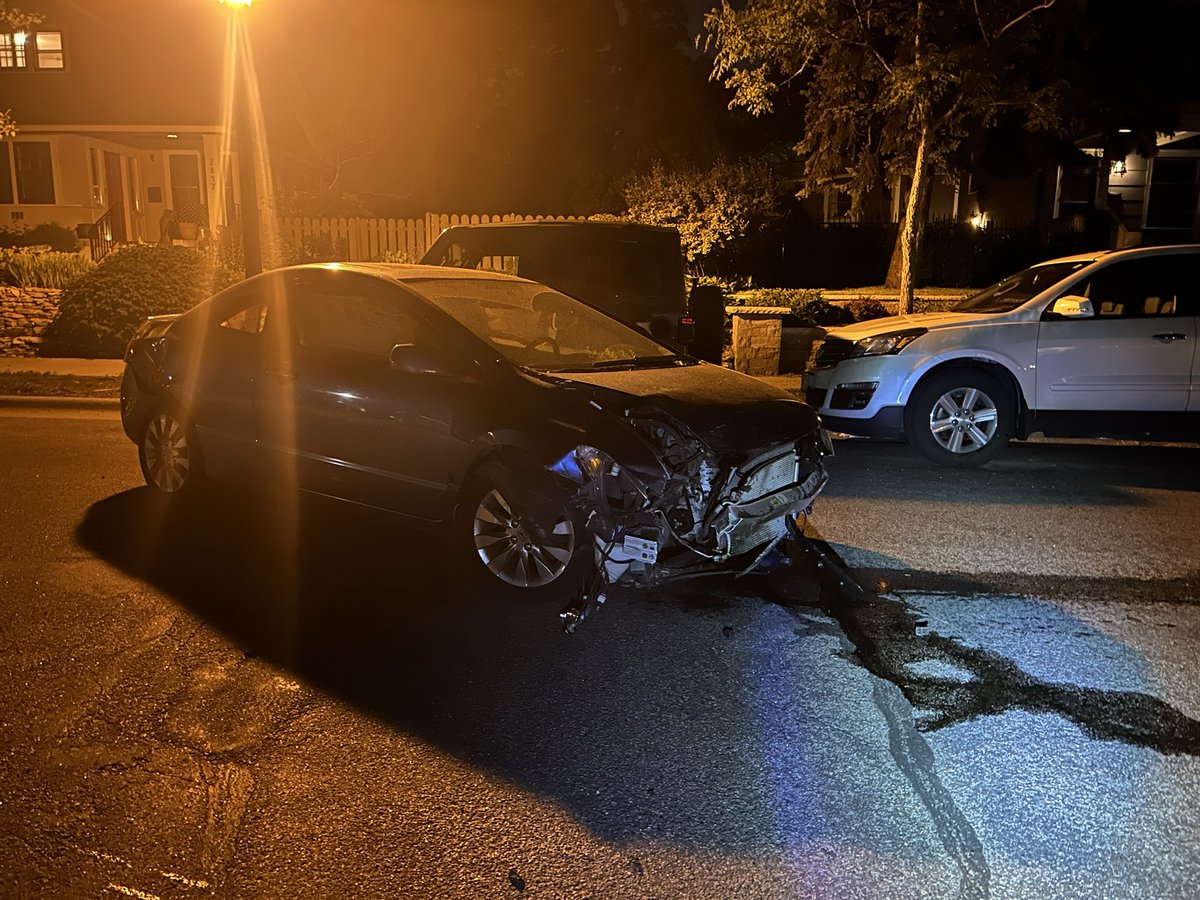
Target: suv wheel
[(960, 418)]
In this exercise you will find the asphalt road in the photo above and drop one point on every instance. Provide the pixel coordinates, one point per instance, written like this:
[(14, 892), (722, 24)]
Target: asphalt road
[(286, 700)]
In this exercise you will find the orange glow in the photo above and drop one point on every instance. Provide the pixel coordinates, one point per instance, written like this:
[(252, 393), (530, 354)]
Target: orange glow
[(237, 2)]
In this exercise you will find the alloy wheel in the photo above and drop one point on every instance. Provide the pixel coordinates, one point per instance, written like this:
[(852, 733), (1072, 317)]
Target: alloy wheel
[(517, 551), (168, 454), (964, 420)]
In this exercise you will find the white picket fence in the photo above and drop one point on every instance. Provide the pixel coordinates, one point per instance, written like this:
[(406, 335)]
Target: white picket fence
[(362, 240)]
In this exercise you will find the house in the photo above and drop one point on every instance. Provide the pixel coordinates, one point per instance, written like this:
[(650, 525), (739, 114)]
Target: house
[(121, 128)]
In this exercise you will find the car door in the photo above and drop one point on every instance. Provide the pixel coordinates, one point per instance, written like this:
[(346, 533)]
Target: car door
[(1135, 354), (228, 360), (347, 424)]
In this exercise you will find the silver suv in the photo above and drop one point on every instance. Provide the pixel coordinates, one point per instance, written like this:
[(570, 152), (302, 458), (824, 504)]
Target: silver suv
[(1100, 344)]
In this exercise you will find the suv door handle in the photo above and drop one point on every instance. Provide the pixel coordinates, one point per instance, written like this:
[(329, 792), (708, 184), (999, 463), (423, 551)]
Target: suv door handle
[(1169, 337)]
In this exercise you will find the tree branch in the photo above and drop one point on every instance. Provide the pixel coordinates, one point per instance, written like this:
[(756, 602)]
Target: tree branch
[(1045, 4)]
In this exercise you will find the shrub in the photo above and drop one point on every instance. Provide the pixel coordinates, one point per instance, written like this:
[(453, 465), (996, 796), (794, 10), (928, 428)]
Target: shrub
[(868, 308), (99, 312), (935, 304), (49, 234), (39, 267)]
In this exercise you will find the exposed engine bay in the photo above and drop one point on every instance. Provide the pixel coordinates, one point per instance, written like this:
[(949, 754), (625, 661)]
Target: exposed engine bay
[(708, 511)]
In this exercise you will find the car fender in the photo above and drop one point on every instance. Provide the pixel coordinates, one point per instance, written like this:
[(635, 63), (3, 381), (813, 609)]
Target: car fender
[(1022, 376), (1015, 356)]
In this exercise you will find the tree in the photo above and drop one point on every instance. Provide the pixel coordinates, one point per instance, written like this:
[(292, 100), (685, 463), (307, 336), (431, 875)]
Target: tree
[(712, 208), (889, 87), (15, 21)]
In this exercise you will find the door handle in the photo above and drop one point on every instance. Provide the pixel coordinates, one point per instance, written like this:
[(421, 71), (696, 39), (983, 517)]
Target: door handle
[(280, 372), (1169, 337)]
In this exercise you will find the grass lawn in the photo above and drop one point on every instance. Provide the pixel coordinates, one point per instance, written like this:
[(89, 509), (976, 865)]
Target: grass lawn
[(38, 384)]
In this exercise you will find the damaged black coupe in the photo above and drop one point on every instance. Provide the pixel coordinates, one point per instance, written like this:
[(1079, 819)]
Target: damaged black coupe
[(565, 450)]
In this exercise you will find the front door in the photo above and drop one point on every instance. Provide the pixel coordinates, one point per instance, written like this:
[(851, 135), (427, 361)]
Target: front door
[(114, 191), (338, 415), (187, 190), (1135, 354)]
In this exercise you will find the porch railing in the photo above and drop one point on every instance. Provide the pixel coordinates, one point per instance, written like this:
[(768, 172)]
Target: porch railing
[(101, 235)]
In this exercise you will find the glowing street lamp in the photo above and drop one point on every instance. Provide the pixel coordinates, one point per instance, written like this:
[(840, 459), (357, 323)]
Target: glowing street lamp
[(251, 226)]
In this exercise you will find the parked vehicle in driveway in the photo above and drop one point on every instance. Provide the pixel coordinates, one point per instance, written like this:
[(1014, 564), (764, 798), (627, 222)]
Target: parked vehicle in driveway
[(561, 448), (631, 271), (1100, 344)]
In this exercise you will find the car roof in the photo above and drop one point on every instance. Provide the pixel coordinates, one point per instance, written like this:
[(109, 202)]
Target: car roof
[(413, 271), (1163, 249)]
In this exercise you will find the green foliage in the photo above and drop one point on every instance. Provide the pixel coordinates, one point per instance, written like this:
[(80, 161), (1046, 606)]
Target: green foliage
[(712, 208), (41, 267), (807, 304), (48, 234), (99, 313), (890, 87), (867, 308)]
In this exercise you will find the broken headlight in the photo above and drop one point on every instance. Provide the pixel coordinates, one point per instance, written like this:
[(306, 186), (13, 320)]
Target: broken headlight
[(584, 463)]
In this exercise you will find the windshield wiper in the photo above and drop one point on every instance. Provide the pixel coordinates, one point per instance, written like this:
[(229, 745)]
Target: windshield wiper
[(640, 362)]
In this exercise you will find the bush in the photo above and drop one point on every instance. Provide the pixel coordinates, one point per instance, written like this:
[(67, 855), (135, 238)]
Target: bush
[(99, 312), (39, 267), (862, 310), (50, 234)]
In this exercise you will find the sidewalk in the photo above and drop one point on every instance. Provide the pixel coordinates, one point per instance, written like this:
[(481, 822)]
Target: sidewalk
[(80, 367)]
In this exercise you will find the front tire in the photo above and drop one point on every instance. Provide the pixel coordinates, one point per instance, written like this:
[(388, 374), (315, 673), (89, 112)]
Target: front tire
[(962, 417), (169, 455), (520, 534)]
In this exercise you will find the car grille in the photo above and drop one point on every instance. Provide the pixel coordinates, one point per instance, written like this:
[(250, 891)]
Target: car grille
[(832, 352)]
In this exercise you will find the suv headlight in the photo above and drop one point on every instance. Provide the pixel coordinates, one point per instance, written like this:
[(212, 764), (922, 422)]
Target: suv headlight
[(883, 344)]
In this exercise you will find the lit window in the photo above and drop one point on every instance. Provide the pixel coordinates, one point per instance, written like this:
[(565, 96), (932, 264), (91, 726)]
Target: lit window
[(49, 49), (12, 51)]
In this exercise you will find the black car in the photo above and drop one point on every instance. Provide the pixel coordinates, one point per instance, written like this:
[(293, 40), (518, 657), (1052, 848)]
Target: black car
[(564, 449)]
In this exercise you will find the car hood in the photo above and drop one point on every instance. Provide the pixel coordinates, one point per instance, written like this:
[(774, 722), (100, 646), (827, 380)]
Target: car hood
[(727, 410), (931, 320)]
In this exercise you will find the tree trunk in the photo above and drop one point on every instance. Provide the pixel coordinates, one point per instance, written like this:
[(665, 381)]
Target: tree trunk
[(912, 230)]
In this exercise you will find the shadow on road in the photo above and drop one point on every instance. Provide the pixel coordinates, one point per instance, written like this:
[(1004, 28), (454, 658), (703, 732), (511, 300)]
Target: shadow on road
[(627, 725)]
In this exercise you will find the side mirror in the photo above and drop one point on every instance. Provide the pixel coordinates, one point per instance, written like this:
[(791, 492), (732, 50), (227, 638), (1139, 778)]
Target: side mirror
[(420, 360), (1072, 307)]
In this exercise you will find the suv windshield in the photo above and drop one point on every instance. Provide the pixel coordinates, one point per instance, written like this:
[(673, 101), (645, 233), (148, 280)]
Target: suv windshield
[(1010, 293), (538, 328)]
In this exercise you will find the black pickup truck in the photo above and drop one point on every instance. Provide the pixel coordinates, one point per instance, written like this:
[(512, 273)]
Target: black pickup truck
[(633, 272)]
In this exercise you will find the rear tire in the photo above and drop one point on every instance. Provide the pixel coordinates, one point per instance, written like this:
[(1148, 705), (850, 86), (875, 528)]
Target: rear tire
[(520, 536), (963, 417), (170, 455)]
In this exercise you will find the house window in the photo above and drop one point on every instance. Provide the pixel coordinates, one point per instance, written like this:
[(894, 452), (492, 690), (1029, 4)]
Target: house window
[(35, 176), (49, 49), (1174, 185), (12, 51)]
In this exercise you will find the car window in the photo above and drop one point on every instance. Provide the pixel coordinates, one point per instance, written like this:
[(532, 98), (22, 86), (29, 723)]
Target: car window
[(251, 320), (542, 329), (363, 326), (1007, 295), (1152, 287)]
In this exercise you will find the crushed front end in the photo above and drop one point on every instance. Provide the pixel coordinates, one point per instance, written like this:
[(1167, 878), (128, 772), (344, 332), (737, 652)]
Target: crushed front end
[(706, 509)]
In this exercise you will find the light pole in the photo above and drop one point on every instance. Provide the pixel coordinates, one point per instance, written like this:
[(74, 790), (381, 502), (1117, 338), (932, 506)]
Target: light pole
[(243, 131)]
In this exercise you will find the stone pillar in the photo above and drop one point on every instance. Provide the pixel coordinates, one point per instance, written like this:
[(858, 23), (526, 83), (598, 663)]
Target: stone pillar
[(757, 338)]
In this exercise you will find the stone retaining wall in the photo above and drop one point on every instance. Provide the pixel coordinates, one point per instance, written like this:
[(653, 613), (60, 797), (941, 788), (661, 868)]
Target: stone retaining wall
[(24, 315)]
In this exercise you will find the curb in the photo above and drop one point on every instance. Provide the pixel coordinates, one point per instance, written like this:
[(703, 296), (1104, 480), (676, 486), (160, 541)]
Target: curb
[(34, 402)]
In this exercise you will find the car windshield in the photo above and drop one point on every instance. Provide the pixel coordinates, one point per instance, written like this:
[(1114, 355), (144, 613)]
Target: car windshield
[(541, 329), (1010, 293)]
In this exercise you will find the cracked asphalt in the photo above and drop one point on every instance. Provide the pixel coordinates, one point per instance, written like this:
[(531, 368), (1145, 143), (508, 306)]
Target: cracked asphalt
[(293, 701)]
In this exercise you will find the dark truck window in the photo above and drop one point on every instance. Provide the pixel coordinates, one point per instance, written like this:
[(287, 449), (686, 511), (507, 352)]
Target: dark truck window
[(635, 275)]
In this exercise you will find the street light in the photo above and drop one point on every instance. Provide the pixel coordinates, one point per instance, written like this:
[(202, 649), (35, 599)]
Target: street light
[(251, 225)]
